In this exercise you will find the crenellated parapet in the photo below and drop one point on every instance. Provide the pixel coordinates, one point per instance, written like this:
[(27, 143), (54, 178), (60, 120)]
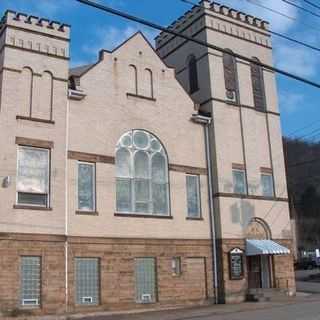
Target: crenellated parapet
[(218, 17), (35, 34)]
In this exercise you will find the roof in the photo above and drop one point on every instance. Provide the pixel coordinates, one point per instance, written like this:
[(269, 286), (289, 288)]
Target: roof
[(78, 71)]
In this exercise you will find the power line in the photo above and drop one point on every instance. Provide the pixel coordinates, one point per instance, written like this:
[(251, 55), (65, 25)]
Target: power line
[(311, 4), (302, 129), (280, 35), (279, 13), (301, 8), (200, 42)]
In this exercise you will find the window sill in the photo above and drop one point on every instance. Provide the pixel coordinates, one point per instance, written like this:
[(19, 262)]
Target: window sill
[(87, 213), (140, 97), (34, 119), (30, 207), (195, 218), (135, 215)]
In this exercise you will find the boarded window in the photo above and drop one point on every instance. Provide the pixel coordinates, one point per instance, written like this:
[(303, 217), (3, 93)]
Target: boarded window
[(30, 281), (87, 272), (193, 196), (145, 276), (230, 76), (33, 176), (193, 74), (258, 86), (86, 186)]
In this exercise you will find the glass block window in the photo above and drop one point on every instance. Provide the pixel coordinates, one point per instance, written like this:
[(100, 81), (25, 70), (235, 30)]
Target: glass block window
[(86, 186), (87, 273), (30, 281), (142, 174), (267, 185), (33, 176), (145, 276), (239, 181), (193, 196)]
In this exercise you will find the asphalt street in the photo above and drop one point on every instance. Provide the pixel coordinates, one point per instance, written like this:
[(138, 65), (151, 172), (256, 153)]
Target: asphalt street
[(305, 309)]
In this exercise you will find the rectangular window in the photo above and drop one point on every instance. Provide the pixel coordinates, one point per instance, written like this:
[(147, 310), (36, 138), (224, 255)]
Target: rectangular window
[(145, 275), (193, 196), (176, 266), (86, 186), (33, 176), (30, 281), (87, 272), (267, 185), (239, 181)]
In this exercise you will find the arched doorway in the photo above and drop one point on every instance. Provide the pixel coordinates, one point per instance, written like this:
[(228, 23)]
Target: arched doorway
[(259, 265)]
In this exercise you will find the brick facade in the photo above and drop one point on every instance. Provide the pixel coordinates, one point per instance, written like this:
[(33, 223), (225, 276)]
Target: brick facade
[(117, 278), (51, 251), (282, 275)]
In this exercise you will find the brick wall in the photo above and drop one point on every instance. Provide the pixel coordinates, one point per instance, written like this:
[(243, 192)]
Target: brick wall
[(117, 271), (51, 251), (193, 286)]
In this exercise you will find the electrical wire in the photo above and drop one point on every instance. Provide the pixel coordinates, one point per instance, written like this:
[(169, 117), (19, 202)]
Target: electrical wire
[(311, 4), (197, 41), (279, 13), (280, 35), (301, 8)]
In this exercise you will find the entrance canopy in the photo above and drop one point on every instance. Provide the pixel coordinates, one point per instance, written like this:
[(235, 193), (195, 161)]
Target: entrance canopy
[(263, 247)]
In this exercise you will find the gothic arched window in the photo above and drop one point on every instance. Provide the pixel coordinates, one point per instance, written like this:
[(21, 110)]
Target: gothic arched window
[(259, 98), (193, 74), (142, 174), (230, 76)]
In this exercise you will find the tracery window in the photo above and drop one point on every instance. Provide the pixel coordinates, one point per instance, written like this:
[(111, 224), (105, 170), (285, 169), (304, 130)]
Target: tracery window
[(142, 174)]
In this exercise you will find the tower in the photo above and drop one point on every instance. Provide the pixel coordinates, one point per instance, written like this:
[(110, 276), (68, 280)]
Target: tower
[(250, 192), (34, 62)]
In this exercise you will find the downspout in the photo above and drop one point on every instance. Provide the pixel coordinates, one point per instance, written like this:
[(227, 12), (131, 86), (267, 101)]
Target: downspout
[(206, 121), (66, 246)]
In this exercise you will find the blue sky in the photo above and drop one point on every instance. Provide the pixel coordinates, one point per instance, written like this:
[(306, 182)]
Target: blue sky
[(93, 30)]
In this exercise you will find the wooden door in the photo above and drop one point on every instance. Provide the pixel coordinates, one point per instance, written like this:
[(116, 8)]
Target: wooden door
[(254, 272)]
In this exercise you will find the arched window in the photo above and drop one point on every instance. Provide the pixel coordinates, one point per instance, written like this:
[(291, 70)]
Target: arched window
[(27, 91), (230, 76), (142, 174), (193, 74), (46, 95), (133, 78), (259, 98), (149, 82)]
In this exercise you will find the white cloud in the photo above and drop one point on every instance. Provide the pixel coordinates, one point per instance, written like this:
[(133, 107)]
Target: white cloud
[(110, 37), (291, 102)]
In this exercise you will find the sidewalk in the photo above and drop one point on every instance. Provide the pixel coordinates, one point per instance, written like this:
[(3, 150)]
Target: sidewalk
[(201, 312), (182, 314)]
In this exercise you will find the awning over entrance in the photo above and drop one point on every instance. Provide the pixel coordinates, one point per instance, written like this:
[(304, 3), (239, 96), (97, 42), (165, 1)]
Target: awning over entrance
[(262, 247)]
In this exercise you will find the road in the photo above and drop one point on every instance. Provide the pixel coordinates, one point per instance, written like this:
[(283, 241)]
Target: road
[(305, 309)]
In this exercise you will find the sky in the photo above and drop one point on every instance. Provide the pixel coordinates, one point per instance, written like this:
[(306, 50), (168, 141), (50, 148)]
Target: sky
[(93, 30)]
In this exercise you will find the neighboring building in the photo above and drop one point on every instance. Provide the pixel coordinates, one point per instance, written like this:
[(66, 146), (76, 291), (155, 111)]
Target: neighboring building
[(104, 198), (250, 191), (302, 163)]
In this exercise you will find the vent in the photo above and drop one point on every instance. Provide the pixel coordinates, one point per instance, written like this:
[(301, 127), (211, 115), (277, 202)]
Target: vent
[(30, 302), (87, 299), (231, 96), (146, 298)]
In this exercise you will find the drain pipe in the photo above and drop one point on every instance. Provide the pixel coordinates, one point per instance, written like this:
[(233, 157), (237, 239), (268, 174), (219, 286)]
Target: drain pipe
[(206, 121)]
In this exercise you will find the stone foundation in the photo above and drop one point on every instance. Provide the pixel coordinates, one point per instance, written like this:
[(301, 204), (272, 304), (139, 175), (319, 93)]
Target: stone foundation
[(235, 291), (117, 278)]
